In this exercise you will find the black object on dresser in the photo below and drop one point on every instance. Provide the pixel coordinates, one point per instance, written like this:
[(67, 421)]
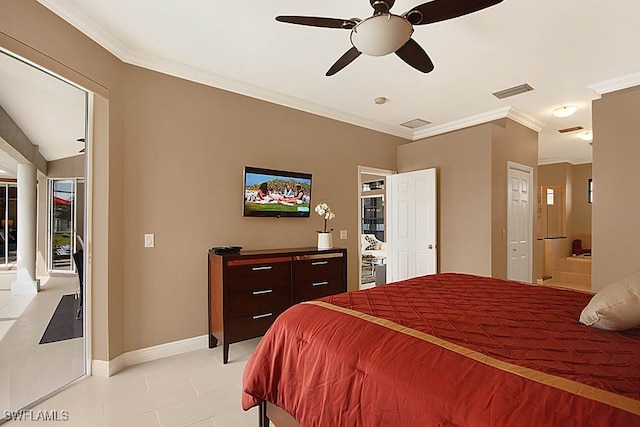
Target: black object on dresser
[(248, 290)]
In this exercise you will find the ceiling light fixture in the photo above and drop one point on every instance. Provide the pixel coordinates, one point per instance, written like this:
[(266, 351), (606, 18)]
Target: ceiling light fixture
[(381, 34), (587, 136), (565, 111), (380, 100)]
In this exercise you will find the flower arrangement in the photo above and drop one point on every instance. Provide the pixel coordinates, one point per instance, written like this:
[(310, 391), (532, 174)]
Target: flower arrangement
[(325, 211)]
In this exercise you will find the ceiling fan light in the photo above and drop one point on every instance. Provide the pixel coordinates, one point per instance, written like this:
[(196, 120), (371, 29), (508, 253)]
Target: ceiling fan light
[(565, 111), (381, 35)]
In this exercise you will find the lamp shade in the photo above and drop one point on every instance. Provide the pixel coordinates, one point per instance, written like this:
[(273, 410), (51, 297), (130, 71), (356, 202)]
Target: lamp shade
[(381, 35)]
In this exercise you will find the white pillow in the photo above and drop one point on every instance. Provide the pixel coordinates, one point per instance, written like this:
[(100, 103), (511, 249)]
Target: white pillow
[(616, 307)]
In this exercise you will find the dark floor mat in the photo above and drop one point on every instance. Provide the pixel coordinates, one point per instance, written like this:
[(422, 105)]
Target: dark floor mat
[(63, 324)]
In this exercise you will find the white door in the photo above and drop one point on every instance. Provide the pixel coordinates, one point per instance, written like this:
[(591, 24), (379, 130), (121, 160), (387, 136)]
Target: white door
[(412, 242), (519, 225)]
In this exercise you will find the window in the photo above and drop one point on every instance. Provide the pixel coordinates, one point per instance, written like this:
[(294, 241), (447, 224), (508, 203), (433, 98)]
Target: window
[(550, 197), (590, 195), (8, 223), (373, 216), (373, 185)]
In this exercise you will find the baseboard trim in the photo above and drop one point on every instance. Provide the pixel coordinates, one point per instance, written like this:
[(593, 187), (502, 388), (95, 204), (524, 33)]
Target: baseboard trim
[(101, 368)]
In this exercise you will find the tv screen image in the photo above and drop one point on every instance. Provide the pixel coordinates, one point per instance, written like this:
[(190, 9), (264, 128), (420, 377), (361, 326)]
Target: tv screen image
[(276, 193)]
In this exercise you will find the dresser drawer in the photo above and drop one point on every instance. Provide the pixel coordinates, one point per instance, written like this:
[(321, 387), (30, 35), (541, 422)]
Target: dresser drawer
[(317, 289), (261, 274), (317, 269), (247, 327), (258, 301)]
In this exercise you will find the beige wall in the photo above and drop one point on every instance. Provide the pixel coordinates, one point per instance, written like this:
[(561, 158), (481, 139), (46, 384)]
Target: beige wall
[(463, 162), (511, 142), (472, 191), (167, 159), (552, 219), (616, 156), (580, 218), (71, 167), (575, 179), (186, 146)]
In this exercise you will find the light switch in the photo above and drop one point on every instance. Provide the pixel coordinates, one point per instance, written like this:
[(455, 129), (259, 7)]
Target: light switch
[(343, 234), (149, 241)]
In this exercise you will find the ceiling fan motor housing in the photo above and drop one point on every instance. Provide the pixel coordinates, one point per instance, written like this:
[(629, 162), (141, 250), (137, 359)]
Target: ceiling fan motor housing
[(381, 34)]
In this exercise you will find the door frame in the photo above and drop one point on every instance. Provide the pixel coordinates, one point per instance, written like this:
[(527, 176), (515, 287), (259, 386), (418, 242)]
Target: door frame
[(387, 194), (529, 171)]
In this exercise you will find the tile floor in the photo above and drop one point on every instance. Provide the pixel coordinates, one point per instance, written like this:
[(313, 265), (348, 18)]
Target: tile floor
[(191, 389), (29, 370)]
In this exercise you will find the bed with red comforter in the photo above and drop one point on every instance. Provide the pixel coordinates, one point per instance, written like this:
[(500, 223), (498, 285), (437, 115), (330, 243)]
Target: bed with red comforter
[(447, 350)]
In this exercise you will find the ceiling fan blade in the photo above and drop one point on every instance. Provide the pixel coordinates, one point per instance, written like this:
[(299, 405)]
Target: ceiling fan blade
[(441, 10), (314, 21), (344, 60), (414, 55)]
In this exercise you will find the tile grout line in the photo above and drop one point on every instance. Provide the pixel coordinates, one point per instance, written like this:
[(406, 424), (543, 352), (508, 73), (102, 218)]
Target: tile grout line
[(146, 381)]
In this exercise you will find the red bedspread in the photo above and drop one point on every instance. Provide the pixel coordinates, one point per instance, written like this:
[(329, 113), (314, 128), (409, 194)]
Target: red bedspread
[(447, 350)]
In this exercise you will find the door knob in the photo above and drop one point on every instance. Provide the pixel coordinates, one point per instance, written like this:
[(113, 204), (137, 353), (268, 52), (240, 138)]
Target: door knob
[(430, 246)]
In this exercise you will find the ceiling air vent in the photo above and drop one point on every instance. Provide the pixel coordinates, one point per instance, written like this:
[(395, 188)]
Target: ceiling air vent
[(516, 90), (415, 123), (571, 129)]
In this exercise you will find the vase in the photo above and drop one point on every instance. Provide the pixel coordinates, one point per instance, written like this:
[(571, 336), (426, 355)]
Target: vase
[(325, 241)]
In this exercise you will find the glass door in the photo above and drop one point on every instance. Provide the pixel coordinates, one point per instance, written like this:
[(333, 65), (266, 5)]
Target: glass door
[(8, 223), (373, 216), (62, 224)]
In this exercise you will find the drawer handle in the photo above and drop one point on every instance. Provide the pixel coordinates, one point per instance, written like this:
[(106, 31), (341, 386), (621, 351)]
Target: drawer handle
[(261, 316), (319, 283), (320, 263), (266, 291), (267, 267)]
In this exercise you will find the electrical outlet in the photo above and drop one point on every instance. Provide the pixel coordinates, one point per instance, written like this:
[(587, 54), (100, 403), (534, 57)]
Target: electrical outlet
[(149, 240), (343, 234)]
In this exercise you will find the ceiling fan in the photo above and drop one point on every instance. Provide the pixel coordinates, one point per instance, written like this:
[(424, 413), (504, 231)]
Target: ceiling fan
[(384, 33)]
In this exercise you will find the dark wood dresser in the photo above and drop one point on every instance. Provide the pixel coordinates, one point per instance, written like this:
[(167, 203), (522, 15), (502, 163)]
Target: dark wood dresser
[(249, 289)]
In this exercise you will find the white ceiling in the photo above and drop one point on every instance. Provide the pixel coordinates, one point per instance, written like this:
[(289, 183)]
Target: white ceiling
[(568, 50), (49, 111)]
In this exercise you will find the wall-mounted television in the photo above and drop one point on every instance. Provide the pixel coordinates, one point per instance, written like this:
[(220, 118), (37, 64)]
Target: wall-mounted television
[(276, 193)]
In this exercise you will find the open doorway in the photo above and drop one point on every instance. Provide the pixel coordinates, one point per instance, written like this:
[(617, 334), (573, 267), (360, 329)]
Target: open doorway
[(372, 226), (563, 227)]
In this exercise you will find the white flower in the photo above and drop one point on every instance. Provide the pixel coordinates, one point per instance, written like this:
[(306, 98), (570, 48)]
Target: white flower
[(325, 212), (322, 209)]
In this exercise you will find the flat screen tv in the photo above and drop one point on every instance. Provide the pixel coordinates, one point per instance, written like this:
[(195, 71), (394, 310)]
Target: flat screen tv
[(276, 193)]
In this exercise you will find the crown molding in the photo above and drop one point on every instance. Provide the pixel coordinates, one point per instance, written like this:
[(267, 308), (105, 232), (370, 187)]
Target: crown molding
[(618, 83), (166, 66), (574, 162), (229, 84), (500, 113), (462, 123), (525, 119), (94, 31), (87, 26)]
